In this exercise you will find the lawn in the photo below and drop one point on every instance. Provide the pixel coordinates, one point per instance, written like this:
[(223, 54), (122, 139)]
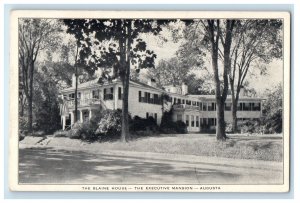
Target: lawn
[(267, 148), (262, 147)]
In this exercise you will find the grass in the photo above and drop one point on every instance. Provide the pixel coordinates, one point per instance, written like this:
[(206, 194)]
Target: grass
[(268, 148), (260, 147)]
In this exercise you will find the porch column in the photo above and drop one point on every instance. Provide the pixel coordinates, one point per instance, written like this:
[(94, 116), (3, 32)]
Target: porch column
[(63, 122), (90, 114), (72, 118), (81, 116)]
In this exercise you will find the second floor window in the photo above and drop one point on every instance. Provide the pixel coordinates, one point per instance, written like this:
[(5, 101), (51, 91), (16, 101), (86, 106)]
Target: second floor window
[(227, 106), (211, 106), (96, 94), (108, 93), (149, 98), (120, 95)]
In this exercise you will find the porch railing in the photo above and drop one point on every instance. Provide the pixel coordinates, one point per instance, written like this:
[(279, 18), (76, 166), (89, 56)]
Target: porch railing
[(186, 106), (84, 102)]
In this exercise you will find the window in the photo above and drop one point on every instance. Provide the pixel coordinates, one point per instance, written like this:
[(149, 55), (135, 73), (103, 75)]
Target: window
[(95, 94), (197, 121), (227, 106), (140, 96), (147, 115), (198, 103), (256, 107), (187, 120), (192, 121), (155, 117), (200, 106), (194, 103), (240, 107), (120, 95), (149, 98), (212, 121), (246, 107), (72, 96), (179, 117), (204, 106), (156, 99), (203, 121), (183, 101), (211, 106), (108, 96)]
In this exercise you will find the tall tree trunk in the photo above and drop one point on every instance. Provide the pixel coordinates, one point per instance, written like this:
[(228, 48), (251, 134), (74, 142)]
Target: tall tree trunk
[(75, 97), (30, 117), (125, 127), (30, 97), (221, 125), (125, 48), (76, 85), (234, 116), (234, 99)]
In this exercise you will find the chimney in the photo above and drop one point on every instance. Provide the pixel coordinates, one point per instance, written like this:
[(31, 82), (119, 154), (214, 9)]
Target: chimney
[(184, 89), (151, 82), (173, 89), (242, 91)]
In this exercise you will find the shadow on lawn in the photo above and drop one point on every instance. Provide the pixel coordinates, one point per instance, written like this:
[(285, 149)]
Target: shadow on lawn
[(46, 165)]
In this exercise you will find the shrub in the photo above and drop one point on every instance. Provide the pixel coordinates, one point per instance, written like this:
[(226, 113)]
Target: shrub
[(23, 125), (167, 126), (110, 125), (39, 133), (60, 133), (82, 131), (228, 128), (250, 126), (143, 124)]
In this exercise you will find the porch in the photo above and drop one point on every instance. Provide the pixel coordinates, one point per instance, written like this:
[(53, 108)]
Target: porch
[(82, 115)]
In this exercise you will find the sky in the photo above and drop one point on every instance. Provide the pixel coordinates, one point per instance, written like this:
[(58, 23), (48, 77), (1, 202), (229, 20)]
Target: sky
[(167, 50)]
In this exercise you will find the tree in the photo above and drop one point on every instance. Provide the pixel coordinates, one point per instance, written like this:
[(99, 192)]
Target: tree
[(171, 71), (124, 49), (205, 37), (254, 42), (197, 85), (215, 33), (272, 110), (34, 36)]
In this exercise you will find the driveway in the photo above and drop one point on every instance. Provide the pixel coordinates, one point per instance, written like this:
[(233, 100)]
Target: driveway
[(44, 165)]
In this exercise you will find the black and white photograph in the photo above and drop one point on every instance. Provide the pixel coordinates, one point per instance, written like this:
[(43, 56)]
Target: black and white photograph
[(116, 101)]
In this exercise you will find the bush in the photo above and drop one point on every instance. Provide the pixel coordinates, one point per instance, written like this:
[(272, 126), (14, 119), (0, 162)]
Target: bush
[(180, 127), (82, 131), (228, 128), (23, 125), (167, 126), (143, 124), (60, 133), (110, 125), (250, 126)]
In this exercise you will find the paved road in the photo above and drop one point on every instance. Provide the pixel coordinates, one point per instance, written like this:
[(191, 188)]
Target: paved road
[(49, 165)]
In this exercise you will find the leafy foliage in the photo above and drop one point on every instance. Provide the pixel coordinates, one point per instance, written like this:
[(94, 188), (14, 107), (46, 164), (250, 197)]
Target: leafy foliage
[(34, 35), (272, 110), (109, 126), (143, 124), (124, 48), (167, 126)]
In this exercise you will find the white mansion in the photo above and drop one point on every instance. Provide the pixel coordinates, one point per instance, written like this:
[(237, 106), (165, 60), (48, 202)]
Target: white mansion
[(145, 100)]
